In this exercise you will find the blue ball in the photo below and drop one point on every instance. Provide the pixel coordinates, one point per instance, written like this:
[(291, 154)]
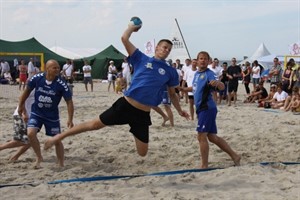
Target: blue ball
[(136, 21)]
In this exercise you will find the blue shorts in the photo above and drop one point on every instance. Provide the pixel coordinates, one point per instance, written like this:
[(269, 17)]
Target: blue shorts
[(52, 127), (255, 81), (166, 99), (207, 121)]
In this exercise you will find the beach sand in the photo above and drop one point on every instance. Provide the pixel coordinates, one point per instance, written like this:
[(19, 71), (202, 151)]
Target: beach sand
[(258, 135)]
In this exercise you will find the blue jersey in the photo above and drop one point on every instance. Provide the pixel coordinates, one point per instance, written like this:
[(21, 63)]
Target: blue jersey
[(202, 90), (48, 95), (150, 78)]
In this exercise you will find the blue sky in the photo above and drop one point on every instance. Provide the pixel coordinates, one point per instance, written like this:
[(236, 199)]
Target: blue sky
[(223, 28)]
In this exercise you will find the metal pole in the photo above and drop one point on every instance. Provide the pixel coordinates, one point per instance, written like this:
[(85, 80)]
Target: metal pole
[(183, 38)]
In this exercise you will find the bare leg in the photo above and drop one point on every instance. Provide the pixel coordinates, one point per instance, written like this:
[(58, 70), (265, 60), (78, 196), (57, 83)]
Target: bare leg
[(164, 116), (36, 146), (91, 125), (20, 151), (109, 83), (204, 149), (170, 114), (86, 89), (229, 98), (234, 98), (141, 147), (92, 86), (222, 144), (192, 109), (59, 147), (11, 144)]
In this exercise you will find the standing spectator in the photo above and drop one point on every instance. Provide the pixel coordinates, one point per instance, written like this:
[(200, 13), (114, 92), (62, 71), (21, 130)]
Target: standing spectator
[(14, 70), (49, 89), (255, 74), (188, 80), (246, 71), (126, 71), (286, 78), (275, 72), (214, 66), (22, 74), (224, 79), (112, 75), (184, 69), (233, 74), (295, 76), (87, 75), (67, 72), (30, 69)]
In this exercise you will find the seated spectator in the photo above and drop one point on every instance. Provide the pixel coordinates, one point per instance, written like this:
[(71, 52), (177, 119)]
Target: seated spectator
[(292, 101), (8, 77), (259, 94), (267, 101), (279, 97)]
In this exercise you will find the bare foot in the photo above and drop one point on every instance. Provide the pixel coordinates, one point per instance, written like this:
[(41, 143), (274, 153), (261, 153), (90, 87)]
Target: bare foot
[(13, 159), (49, 143), (38, 163), (203, 166), (237, 160), (165, 120)]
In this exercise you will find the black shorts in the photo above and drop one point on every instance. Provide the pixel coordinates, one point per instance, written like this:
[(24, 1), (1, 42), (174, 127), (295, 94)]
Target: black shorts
[(233, 86), (122, 112)]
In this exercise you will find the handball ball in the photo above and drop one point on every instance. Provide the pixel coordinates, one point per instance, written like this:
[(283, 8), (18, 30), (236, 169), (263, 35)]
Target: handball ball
[(135, 21)]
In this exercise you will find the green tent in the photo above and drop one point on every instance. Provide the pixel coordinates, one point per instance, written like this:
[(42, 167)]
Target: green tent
[(10, 50), (100, 62)]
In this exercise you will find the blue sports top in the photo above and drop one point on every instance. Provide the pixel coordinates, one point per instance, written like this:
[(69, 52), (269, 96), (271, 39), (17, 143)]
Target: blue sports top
[(202, 90), (150, 78), (48, 95)]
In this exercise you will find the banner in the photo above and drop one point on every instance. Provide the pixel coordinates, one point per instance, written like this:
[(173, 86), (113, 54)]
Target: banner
[(150, 48), (295, 49)]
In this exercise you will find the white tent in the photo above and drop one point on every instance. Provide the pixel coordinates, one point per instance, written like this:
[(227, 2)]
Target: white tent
[(260, 52), (74, 53)]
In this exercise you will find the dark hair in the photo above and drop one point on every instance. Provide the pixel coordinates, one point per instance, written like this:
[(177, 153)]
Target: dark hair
[(205, 53), (165, 40), (225, 63)]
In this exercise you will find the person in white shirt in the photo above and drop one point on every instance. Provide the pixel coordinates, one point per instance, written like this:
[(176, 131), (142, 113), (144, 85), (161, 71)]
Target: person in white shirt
[(184, 69), (126, 71), (255, 73), (87, 75), (68, 71), (279, 97), (30, 69), (188, 80), (214, 66), (112, 75)]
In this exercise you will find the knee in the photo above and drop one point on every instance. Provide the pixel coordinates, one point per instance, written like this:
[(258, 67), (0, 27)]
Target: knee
[(31, 134), (212, 138)]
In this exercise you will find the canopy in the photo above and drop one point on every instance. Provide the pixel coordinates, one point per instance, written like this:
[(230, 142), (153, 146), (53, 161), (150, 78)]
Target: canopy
[(100, 62), (10, 50), (260, 52)]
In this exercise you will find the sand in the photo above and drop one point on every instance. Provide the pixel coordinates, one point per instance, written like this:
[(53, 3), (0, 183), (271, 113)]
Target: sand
[(258, 135)]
